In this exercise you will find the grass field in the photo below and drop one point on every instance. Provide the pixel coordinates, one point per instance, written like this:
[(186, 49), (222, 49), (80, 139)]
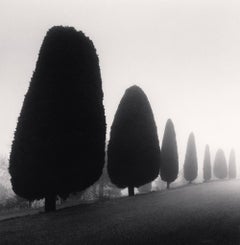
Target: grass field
[(197, 214)]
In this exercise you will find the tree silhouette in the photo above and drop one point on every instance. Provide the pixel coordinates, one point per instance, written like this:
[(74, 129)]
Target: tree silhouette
[(232, 170), (169, 154), (207, 171), (220, 165), (58, 147), (133, 150), (190, 167)]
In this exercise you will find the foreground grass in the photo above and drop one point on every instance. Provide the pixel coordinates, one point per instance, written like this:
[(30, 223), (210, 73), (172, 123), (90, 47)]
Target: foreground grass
[(197, 214)]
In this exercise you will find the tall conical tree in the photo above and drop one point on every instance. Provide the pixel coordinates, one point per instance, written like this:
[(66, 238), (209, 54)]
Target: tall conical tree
[(59, 141), (190, 164), (207, 170), (133, 150), (232, 169), (169, 153), (220, 165)]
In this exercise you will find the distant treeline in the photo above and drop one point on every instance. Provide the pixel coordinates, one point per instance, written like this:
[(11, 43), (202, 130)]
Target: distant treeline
[(59, 143)]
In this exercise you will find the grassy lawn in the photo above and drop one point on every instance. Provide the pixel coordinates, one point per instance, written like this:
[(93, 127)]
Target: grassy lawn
[(198, 214)]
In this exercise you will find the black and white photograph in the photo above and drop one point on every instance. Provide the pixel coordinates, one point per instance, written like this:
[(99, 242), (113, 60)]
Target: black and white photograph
[(120, 122)]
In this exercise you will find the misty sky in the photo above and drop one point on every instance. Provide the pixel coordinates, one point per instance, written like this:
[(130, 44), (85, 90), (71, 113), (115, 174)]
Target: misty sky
[(184, 54)]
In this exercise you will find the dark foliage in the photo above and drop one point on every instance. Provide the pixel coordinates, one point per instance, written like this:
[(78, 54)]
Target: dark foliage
[(207, 170), (220, 165), (232, 170), (59, 141), (190, 164), (133, 150), (169, 154)]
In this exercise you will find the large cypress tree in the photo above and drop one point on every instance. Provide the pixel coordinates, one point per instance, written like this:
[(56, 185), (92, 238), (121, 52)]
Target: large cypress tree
[(58, 147), (220, 165), (190, 164), (169, 153), (207, 170), (133, 150), (232, 169)]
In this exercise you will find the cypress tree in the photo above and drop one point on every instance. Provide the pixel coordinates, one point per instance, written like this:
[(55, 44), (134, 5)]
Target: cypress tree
[(190, 167), (207, 171), (232, 170), (169, 154), (58, 147), (133, 150), (220, 165)]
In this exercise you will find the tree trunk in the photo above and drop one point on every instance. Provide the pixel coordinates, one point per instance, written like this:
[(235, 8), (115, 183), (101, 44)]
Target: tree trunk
[(168, 185), (190, 182), (50, 203), (131, 191)]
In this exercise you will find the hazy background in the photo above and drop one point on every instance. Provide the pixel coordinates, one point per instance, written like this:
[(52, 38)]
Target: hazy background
[(184, 54)]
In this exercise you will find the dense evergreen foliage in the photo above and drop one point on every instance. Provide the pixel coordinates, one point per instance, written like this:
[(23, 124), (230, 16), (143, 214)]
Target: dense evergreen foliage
[(207, 170), (59, 141), (232, 169), (169, 154), (133, 150), (220, 165), (190, 167)]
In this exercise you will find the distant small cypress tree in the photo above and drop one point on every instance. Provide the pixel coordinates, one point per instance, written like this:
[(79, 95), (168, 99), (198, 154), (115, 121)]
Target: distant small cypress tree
[(58, 147), (190, 164), (232, 170), (133, 150), (169, 153), (220, 165), (207, 170)]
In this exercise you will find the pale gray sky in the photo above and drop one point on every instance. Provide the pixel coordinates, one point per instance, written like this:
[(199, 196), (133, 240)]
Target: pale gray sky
[(184, 54)]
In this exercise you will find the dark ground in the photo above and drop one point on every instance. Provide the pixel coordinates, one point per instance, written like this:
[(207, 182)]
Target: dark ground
[(198, 214)]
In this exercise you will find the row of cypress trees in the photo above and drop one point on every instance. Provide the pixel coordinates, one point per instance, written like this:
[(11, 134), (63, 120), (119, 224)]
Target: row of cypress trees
[(59, 142), (220, 168)]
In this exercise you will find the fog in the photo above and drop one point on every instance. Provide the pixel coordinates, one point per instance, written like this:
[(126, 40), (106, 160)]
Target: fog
[(185, 55)]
